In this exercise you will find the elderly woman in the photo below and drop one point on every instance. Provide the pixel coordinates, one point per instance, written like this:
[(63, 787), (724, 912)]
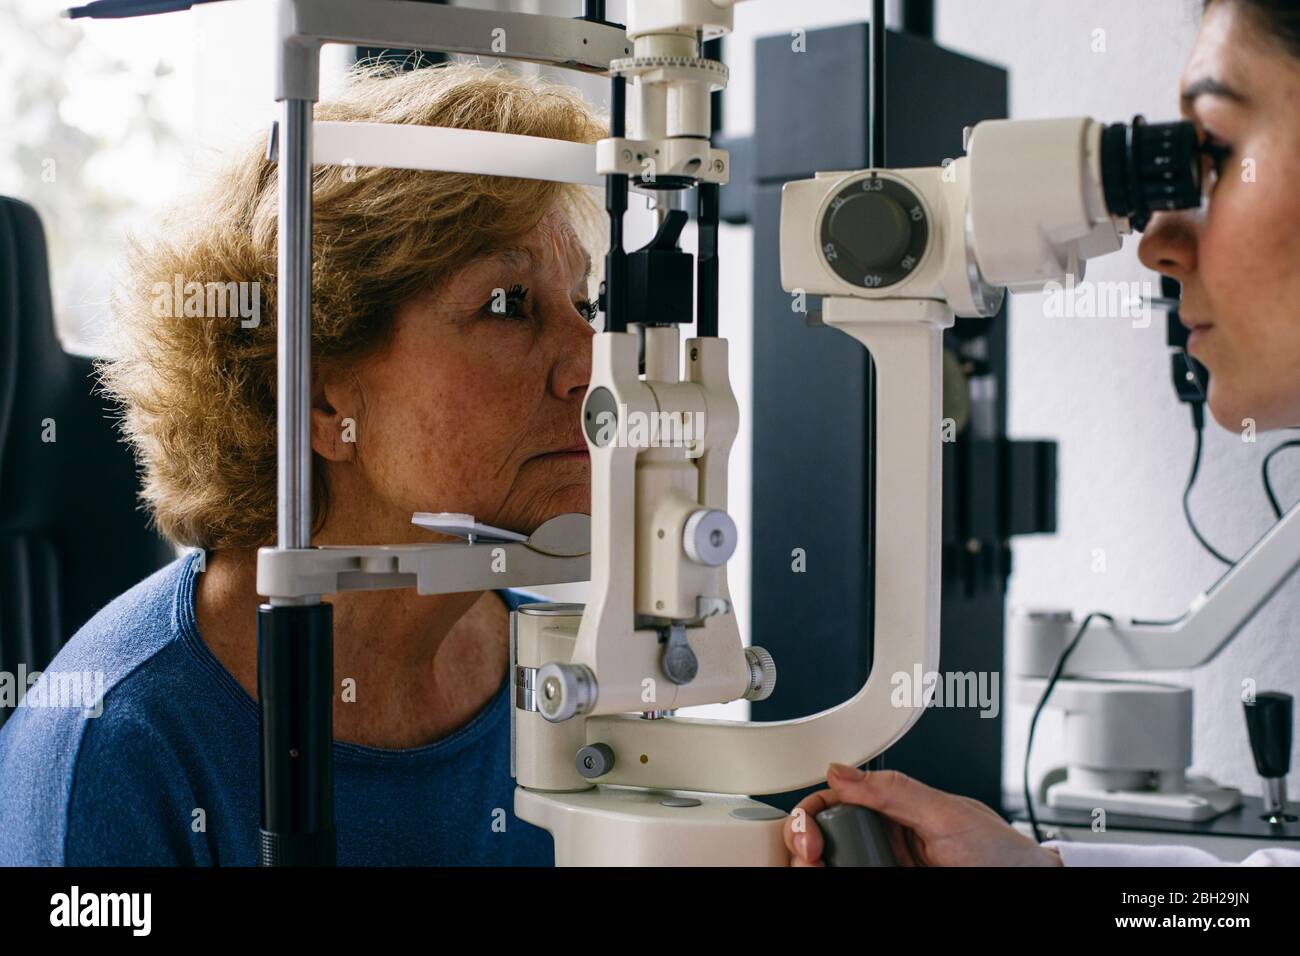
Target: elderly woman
[(451, 326)]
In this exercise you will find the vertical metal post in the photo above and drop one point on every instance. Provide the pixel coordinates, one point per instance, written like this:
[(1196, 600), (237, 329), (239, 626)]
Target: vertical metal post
[(293, 327), (918, 18), (876, 160), (876, 92), (708, 211), (614, 293), (295, 653), (706, 265)]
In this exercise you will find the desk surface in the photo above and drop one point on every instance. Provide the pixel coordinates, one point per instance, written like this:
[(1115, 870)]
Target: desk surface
[(1244, 822)]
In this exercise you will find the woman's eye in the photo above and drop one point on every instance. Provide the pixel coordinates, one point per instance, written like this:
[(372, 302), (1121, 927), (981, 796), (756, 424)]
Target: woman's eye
[(511, 304), (507, 303)]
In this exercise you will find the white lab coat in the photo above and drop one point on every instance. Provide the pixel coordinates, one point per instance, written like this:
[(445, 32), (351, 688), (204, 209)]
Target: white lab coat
[(1128, 854)]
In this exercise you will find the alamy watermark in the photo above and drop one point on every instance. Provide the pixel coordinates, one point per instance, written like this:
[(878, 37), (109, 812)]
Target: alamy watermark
[(209, 300), (636, 429), (977, 689), (53, 689), (131, 911), (1099, 300)]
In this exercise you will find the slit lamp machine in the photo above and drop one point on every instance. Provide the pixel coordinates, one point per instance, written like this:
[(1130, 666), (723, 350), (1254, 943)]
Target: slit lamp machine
[(599, 757)]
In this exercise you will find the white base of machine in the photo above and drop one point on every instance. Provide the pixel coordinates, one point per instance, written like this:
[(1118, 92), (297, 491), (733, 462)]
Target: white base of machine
[(623, 826), (1202, 799)]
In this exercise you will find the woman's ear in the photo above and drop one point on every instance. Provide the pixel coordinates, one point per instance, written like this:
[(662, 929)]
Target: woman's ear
[(335, 408)]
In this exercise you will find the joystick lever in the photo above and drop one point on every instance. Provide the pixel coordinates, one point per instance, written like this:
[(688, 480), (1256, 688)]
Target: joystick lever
[(1269, 719)]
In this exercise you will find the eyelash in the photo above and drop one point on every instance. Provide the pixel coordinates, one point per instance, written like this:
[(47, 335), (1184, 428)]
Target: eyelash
[(517, 296), (1217, 152)]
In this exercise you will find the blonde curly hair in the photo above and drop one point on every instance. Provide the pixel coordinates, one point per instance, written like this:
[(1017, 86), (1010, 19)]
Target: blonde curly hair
[(197, 395)]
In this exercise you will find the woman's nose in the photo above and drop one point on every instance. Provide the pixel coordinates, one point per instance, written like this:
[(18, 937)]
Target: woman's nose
[(571, 372), (1169, 244)]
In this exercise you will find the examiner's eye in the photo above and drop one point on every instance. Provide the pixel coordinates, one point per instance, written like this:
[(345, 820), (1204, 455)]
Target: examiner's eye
[(507, 303), (1216, 154), (588, 310)]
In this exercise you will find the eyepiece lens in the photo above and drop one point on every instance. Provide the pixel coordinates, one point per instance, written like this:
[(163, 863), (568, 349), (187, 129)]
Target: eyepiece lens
[(1149, 167)]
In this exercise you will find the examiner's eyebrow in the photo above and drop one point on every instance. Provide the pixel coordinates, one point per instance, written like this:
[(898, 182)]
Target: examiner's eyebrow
[(1209, 86)]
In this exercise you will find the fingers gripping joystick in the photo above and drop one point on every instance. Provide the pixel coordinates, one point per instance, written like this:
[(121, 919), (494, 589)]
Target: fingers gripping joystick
[(854, 836)]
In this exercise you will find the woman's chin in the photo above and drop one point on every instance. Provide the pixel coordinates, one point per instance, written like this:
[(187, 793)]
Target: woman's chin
[(553, 502), (575, 498)]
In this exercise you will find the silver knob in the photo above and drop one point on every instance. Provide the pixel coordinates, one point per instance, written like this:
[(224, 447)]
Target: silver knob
[(709, 537), (762, 673), (565, 690)]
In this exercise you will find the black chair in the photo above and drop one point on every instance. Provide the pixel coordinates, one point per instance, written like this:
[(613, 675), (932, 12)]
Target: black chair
[(72, 533)]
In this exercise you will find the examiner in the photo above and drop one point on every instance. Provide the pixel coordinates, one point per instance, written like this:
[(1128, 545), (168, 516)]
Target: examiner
[(1238, 260)]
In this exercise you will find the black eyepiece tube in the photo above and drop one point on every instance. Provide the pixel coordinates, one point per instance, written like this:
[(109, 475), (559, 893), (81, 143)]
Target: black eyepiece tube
[(1150, 167)]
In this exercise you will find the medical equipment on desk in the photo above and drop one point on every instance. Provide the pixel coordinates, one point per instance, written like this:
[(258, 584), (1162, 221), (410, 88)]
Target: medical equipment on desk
[(1128, 743), (599, 759)]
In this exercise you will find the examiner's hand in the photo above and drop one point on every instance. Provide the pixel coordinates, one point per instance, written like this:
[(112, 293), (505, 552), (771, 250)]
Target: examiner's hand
[(927, 827)]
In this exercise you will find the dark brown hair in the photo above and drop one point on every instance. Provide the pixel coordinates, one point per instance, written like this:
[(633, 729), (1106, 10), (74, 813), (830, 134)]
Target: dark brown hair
[(1278, 19)]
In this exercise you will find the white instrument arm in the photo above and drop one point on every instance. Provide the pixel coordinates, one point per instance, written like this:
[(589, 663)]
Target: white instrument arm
[(1214, 618), (905, 339)]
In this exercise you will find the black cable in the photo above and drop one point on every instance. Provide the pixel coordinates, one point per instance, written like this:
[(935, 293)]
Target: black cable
[(1263, 471), (1038, 710), (1198, 424)]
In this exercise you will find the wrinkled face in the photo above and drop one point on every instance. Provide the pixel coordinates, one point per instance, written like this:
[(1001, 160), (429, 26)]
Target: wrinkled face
[(1238, 257), (475, 405)]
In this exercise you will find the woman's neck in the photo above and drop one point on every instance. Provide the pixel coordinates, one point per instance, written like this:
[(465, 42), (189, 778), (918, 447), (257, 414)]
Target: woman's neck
[(408, 670)]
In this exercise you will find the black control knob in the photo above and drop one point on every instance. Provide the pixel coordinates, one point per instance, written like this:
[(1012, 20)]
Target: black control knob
[(874, 232), (1268, 721), (872, 228), (854, 836), (1149, 167)]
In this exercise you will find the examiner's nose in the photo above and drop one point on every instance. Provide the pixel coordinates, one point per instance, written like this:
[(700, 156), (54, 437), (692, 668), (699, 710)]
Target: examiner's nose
[(1169, 244)]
